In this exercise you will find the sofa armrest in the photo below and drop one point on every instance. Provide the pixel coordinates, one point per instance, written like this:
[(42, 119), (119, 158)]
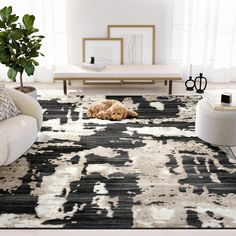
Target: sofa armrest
[(3, 148), (27, 105)]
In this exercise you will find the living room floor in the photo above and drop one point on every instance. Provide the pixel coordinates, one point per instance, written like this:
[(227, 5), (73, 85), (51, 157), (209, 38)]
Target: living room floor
[(126, 89), (55, 89)]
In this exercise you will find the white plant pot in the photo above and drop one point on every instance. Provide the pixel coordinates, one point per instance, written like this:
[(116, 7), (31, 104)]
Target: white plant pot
[(33, 94)]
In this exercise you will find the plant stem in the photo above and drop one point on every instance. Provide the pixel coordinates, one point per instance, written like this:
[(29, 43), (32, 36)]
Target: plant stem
[(21, 82)]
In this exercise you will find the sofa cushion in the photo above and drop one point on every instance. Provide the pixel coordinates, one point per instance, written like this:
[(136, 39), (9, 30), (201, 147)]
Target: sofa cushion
[(7, 106), (20, 132)]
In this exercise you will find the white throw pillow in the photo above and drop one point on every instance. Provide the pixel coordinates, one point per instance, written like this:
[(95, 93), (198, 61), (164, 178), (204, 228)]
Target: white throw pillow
[(7, 106)]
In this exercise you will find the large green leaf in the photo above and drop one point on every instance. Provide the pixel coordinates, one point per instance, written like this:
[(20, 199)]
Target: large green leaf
[(2, 25), (37, 46), (12, 74), (5, 57), (29, 68), (12, 19), (13, 26), (31, 31), (2, 36), (5, 13), (19, 68), (11, 49), (16, 46), (28, 21), (2, 47), (34, 62), (16, 34), (22, 62), (33, 53), (38, 37)]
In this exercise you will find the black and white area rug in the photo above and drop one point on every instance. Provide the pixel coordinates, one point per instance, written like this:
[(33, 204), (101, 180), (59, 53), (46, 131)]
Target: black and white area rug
[(149, 172)]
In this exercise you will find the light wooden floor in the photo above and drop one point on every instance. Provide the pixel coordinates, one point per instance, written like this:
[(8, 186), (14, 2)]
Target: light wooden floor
[(153, 89)]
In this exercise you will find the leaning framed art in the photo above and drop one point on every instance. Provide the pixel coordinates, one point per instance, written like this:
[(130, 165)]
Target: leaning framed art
[(139, 42), (105, 50)]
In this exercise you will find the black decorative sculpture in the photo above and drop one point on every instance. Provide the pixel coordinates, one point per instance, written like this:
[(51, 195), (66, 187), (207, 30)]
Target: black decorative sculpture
[(189, 84), (200, 83), (92, 60)]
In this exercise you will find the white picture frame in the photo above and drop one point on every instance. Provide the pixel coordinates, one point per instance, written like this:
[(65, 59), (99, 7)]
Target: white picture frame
[(139, 42), (108, 51)]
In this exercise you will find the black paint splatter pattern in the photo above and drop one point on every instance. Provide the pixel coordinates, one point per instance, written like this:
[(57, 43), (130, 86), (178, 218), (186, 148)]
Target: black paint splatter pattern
[(149, 172)]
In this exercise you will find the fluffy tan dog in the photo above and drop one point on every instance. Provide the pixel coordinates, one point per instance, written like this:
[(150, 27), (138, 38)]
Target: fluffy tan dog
[(109, 110)]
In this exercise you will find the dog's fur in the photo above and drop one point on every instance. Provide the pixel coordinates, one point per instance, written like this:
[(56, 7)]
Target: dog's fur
[(109, 110)]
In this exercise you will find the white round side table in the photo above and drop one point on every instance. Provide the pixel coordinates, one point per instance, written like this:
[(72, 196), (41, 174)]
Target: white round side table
[(216, 127)]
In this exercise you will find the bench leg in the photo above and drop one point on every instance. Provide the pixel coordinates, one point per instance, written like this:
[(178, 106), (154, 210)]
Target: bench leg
[(170, 87), (165, 82), (69, 82), (65, 87)]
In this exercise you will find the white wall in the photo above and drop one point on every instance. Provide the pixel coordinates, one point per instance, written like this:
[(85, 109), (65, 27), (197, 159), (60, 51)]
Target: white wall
[(89, 18)]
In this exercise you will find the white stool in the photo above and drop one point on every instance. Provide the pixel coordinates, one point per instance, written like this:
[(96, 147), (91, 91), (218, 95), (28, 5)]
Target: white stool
[(215, 126)]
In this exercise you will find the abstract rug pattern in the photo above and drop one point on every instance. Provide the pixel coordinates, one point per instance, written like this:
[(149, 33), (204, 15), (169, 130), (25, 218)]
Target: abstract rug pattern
[(149, 172)]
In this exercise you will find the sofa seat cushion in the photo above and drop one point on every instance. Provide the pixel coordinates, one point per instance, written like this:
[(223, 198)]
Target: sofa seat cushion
[(20, 133)]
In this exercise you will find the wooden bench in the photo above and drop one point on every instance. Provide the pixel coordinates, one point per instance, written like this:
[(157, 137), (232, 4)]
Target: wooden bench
[(119, 73)]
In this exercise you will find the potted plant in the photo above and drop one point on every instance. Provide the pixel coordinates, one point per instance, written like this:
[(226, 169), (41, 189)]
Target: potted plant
[(19, 46)]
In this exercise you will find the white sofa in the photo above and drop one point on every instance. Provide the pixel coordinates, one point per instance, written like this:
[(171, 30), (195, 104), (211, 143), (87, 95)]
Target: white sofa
[(18, 133)]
